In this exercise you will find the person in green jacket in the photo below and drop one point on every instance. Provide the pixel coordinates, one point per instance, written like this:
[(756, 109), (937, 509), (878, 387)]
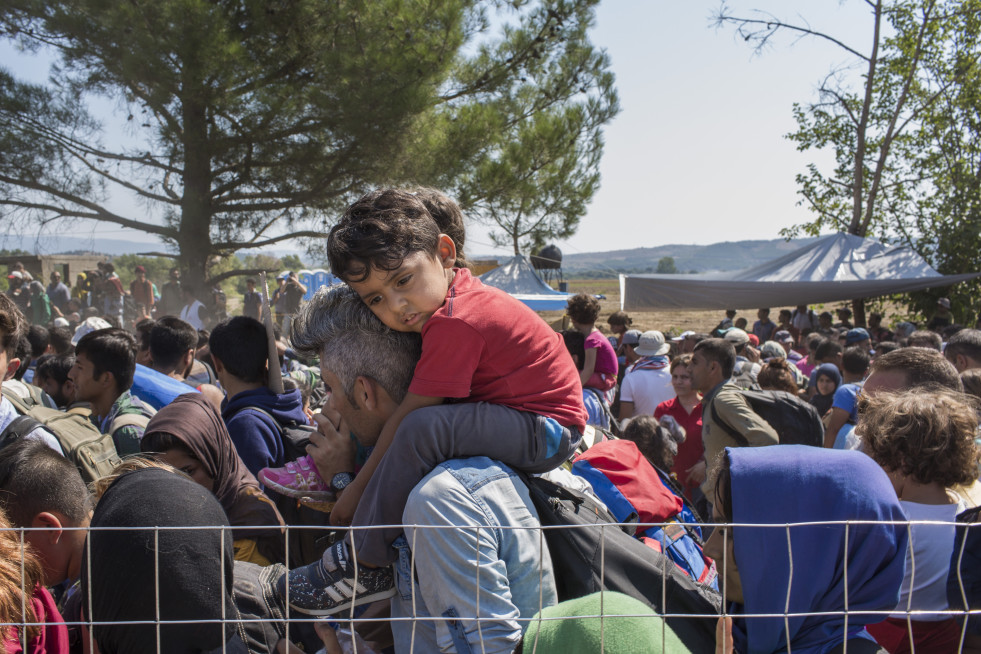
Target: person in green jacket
[(40, 308)]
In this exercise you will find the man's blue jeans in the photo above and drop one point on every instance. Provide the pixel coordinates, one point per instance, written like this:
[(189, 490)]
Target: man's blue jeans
[(479, 557)]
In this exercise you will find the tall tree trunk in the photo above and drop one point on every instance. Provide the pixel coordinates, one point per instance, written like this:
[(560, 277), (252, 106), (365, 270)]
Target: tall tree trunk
[(195, 235)]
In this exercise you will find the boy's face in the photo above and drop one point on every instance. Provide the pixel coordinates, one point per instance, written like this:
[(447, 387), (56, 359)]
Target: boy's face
[(405, 298)]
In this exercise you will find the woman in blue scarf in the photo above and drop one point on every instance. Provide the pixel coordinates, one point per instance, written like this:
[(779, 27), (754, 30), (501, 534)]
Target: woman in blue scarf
[(785, 484)]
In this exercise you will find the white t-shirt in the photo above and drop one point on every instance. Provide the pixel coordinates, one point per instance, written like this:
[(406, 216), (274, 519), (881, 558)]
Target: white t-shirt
[(646, 389), (928, 559)]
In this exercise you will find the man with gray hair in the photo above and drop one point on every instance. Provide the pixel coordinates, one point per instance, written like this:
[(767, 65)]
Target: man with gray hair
[(471, 565)]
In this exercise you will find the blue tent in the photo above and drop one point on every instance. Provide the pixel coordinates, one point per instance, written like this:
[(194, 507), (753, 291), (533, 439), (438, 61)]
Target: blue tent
[(518, 279)]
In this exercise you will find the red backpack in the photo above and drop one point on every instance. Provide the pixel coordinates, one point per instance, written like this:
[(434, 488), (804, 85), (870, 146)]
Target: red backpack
[(634, 492)]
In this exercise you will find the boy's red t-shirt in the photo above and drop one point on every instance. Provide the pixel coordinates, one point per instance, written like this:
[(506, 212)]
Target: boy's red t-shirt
[(483, 345)]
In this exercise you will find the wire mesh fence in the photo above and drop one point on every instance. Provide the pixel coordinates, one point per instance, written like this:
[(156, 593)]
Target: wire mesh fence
[(479, 599)]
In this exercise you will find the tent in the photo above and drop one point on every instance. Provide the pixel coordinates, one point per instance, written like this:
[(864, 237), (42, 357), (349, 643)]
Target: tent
[(834, 268), (518, 279)]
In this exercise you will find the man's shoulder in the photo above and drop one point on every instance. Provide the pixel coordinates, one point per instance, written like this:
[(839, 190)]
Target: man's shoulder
[(129, 404)]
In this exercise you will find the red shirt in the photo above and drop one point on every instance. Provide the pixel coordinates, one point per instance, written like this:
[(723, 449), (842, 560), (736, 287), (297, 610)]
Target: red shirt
[(485, 346), (689, 452), (53, 638)]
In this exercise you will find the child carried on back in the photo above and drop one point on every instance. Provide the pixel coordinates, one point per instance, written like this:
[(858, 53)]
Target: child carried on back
[(493, 380)]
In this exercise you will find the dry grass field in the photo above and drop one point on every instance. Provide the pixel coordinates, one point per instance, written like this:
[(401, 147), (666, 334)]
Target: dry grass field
[(671, 322)]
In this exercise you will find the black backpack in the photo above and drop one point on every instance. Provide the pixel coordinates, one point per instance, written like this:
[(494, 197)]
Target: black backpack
[(308, 543), (588, 558), (796, 422)]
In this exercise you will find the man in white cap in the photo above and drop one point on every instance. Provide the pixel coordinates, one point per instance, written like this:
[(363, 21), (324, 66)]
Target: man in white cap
[(648, 381), (747, 359)]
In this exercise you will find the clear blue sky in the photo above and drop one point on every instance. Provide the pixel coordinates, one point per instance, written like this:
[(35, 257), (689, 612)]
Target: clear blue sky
[(697, 154)]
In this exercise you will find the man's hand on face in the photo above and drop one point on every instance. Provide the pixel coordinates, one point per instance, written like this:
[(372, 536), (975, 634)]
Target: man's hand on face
[(331, 446), (752, 354)]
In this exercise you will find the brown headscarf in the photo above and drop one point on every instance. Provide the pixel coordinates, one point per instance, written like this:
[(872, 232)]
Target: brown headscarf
[(194, 421)]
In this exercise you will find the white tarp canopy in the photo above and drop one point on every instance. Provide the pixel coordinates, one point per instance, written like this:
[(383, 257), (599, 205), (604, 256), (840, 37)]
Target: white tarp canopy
[(833, 268), (518, 279)]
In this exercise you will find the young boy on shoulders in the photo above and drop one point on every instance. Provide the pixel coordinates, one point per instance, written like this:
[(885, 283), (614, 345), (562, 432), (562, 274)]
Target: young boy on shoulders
[(494, 380)]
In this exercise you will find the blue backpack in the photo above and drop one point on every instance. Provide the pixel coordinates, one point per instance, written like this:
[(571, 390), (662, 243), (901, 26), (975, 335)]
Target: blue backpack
[(636, 492)]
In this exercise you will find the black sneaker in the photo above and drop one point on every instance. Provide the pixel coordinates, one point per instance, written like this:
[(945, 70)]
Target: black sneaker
[(328, 586)]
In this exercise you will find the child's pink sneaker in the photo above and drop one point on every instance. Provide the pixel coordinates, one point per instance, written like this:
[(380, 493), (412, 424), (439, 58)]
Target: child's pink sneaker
[(296, 479)]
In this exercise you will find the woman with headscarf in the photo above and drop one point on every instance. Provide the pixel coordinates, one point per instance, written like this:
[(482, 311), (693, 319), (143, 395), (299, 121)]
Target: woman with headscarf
[(190, 435), (827, 379), (156, 554), (784, 571)]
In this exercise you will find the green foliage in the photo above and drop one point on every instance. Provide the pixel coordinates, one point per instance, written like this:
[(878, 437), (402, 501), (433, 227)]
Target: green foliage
[(292, 262), (906, 139), (665, 266), (249, 123), (157, 268)]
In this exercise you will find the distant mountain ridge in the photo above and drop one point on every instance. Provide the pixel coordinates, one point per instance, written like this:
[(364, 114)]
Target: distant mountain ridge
[(721, 257)]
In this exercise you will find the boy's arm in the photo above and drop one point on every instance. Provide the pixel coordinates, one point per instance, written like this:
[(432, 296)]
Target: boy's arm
[(343, 511)]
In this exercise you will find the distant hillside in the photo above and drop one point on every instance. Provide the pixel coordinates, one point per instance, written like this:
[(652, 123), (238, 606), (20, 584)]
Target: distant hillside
[(729, 255)]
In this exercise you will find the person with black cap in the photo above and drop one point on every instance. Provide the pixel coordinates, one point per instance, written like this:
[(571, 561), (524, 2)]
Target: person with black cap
[(942, 318)]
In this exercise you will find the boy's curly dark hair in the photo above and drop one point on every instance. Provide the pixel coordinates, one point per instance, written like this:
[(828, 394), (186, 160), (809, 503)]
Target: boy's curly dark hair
[(449, 218), (583, 309), (379, 231), (926, 433)]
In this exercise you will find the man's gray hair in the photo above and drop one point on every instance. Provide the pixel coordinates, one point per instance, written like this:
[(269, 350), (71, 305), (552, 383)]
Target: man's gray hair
[(352, 342)]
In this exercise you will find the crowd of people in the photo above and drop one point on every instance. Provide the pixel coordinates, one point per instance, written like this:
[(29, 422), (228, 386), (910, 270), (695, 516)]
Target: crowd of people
[(358, 475)]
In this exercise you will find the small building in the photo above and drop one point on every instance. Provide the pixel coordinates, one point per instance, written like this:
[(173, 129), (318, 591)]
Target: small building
[(42, 265)]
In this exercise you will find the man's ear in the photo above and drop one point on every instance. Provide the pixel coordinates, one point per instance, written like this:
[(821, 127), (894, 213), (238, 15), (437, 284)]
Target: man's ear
[(365, 393), (52, 525), (446, 251), (219, 366), (12, 366)]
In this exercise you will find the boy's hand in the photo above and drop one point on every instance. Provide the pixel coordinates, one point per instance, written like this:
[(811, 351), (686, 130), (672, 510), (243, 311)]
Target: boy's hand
[(347, 503)]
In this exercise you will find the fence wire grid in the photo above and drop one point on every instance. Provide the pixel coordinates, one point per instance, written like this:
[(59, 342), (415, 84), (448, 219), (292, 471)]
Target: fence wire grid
[(349, 620)]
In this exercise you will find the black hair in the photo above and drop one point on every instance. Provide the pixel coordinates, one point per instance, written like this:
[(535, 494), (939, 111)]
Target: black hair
[(34, 479), (449, 218), (719, 350), (143, 329), (378, 232), (22, 351), (856, 360), (170, 339), (240, 344), (966, 342), (39, 339), (575, 342), (885, 347), (203, 336), (110, 350), (829, 349), (60, 339), (54, 366), (12, 323)]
